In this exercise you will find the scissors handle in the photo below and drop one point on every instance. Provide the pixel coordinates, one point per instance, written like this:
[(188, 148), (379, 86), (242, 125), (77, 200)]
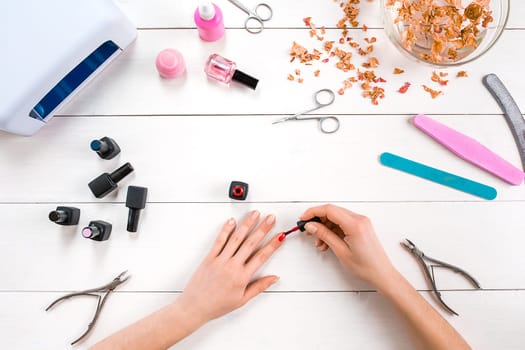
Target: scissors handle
[(330, 128), (268, 10), (254, 24)]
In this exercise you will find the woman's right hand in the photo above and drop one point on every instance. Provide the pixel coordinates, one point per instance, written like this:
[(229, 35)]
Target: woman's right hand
[(353, 240)]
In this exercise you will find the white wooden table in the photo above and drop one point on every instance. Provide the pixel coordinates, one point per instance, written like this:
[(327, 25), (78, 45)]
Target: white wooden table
[(188, 138)]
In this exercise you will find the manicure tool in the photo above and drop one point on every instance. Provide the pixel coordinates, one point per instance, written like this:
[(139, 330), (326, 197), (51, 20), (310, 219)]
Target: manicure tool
[(301, 224), (438, 176), (97, 230), (469, 149), (429, 271), (107, 289), (135, 201), (257, 19), (106, 183), (322, 98), (106, 147), (510, 109), (67, 216)]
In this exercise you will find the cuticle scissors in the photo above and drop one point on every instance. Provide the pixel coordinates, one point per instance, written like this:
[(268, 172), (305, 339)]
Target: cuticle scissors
[(255, 16), (320, 103)]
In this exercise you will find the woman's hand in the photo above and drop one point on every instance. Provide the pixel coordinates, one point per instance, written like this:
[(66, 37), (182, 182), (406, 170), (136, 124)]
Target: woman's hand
[(353, 240), (223, 281)]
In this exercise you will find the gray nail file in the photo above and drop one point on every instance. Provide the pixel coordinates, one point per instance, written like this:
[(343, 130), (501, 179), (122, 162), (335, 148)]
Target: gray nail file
[(510, 109)]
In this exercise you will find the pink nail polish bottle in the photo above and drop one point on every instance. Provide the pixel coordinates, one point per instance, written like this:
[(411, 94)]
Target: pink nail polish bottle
[(223, 70), (170, 64), (209, 21)]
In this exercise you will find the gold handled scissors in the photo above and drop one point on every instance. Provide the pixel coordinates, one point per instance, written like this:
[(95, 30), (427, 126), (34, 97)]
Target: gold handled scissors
[(256, 17), (322, 98)]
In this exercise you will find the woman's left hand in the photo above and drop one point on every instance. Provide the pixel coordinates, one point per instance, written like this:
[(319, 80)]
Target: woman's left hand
[(223, 281)]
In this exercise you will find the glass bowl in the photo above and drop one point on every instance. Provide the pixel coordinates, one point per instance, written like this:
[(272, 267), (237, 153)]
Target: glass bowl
[(443, 35)]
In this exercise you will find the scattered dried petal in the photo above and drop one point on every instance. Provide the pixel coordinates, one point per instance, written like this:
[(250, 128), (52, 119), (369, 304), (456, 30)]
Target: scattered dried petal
[(398, 71), (403, 89), (433, 93), (436, 78)]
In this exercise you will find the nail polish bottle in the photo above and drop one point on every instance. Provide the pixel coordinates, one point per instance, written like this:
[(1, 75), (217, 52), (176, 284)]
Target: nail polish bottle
[(97, 230), (135, 201), (223, 70), (107, 183), (106, 147), (170, 64), (209, 21), (67, 216)]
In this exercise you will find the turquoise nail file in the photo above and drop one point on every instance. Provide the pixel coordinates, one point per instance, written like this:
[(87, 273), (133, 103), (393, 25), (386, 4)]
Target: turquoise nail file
[(438, 176)]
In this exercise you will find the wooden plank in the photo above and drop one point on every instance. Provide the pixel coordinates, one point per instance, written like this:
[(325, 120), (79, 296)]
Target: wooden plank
[(482, 238), (276, 321), (194, 158), (131, 85), (169, 14)]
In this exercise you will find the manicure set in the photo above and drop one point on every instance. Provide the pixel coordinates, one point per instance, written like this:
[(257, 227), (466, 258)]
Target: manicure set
[(101, 186), (47, 99)]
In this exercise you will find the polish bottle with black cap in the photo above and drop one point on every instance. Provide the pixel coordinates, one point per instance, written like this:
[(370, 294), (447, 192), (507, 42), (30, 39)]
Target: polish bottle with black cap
[(225, 71)]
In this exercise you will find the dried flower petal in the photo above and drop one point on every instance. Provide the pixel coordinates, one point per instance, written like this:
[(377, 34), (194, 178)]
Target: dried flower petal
[(433, 93), (403, 89), (398, 71)]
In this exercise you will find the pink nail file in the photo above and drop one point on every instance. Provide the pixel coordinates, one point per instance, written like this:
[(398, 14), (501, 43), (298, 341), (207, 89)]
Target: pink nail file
[(470, 150)]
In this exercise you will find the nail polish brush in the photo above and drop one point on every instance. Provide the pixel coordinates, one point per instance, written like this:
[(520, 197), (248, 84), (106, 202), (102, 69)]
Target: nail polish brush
[(301, 225)]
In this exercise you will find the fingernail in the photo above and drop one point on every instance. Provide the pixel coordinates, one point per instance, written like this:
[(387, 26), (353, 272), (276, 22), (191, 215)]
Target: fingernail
[(270, 219), (310, 228), (282, 237), (276, 279), (231, 221), (254, 214)]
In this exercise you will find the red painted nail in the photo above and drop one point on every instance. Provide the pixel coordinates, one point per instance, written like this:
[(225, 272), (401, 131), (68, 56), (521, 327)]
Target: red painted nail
[(282, 237)]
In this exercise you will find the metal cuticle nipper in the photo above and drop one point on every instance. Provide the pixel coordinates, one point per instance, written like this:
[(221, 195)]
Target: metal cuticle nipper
[(429, 271), (101, 293)]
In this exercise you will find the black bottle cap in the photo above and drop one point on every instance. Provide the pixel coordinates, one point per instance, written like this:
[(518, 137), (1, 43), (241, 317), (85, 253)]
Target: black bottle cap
[(245, 79), (58, 216), (302, 223), (136, 197)]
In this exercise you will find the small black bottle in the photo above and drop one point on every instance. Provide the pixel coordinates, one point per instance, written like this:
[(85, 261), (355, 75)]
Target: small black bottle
[(106, 147), (97, 230), (67, 216), (107, 183)]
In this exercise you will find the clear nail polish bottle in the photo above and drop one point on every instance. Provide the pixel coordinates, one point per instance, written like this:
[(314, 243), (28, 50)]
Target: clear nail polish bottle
[(223, 70)]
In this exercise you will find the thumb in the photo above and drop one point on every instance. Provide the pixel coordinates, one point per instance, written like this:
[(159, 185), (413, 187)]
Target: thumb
[(335, 243), (257, 287)]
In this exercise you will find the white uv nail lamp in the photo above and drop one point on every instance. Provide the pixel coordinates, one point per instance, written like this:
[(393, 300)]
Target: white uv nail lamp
[(49, 51)]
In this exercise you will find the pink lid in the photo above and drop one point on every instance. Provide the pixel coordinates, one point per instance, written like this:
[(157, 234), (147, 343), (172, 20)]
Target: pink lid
[(86, 232), (170, 63)]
